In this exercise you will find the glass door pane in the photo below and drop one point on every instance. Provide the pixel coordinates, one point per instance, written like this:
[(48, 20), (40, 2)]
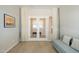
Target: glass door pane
[(38, 28), (33, 28), (42, 28)]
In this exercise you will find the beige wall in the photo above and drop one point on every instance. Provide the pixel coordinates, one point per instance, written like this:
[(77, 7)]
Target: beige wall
[(9, 37), (69, 21)]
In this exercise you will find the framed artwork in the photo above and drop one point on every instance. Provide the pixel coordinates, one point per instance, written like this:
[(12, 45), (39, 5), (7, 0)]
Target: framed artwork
[(9, 21)]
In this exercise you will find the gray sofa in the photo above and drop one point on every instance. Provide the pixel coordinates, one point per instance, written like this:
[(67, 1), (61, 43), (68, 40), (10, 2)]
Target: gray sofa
[(61, 47)]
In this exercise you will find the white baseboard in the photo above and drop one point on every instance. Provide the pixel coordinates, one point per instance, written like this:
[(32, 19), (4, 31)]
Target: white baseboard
[(11, 47), (35, 39)]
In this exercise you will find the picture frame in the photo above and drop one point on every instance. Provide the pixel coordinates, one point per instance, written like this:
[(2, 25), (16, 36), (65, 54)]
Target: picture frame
[(9, 21)]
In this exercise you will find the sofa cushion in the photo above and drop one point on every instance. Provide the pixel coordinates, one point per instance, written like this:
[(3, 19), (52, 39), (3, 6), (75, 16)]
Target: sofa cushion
[(66, 39), (75, 43)]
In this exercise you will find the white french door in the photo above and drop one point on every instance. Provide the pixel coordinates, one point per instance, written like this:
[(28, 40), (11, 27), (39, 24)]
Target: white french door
[(38, 28)]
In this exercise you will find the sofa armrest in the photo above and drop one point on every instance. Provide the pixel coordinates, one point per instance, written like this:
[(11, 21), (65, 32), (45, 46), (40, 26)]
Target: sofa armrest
[(62, 47)]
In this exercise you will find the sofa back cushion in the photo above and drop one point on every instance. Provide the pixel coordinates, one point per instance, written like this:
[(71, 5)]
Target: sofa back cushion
[(70, 43), (66, 39), (75, 43)]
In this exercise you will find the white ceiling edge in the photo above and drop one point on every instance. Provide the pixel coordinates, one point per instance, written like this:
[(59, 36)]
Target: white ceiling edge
[(48, 6), (40, 6)]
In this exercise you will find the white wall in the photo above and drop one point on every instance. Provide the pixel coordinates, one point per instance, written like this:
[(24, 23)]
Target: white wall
[(55, 24), (37, 11), (24, 19), (69, 20), (8, 36)]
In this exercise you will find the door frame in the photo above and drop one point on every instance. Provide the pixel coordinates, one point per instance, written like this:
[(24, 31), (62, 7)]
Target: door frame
[(46, 31)]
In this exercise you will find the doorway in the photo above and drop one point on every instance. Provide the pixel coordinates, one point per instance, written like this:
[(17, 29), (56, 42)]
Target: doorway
[(39, 28)]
